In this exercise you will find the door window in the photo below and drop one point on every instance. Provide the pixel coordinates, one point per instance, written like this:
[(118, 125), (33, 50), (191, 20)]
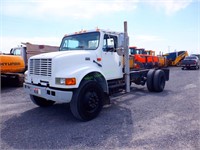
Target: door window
[(109, 43)]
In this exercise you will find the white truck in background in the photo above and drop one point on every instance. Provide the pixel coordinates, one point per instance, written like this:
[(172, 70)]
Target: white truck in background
[(87, 69)]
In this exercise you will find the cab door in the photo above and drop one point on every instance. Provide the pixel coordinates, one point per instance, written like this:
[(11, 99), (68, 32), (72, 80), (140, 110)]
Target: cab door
[(111, 61)]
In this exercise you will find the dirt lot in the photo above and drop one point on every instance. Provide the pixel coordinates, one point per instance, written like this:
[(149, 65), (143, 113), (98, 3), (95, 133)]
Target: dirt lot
[(139, 120)]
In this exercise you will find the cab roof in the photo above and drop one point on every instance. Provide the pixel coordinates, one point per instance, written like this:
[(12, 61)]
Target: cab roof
[(95, 30)]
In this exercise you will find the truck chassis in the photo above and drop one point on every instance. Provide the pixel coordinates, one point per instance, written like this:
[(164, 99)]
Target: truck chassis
[(88, 100)]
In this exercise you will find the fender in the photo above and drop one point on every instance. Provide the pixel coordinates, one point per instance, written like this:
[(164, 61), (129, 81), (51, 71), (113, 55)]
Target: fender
[(97, 75), (80, 72)]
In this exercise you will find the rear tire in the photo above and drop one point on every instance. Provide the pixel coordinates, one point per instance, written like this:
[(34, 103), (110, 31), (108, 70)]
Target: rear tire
[(159, 80), (41, 101), (87, 101), (19, 81), (197, 67), (150, 77)]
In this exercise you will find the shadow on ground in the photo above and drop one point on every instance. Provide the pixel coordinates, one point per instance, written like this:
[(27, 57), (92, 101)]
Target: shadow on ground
[(56, 128)]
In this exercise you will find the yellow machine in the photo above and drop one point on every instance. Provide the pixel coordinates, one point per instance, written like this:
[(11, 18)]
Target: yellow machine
[(11, 63), (162, 61), (14, 64), (12, 68), (174, 58), (180, 57)]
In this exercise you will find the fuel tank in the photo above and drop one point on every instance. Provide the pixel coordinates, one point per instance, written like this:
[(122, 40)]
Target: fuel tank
[(11, 64)]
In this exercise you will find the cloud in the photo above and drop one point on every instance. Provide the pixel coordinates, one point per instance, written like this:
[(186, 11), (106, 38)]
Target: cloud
[(148, 38), (170, 6), (85, 9), (148, 42)]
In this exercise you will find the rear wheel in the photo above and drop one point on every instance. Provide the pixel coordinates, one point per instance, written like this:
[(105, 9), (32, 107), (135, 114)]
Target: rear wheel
[(159, 80), (87, 101), (150, 77), (41, 101), (19, 81), (197, 67)]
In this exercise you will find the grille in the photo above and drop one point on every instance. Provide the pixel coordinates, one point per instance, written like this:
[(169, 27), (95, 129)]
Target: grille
[(40, 67)]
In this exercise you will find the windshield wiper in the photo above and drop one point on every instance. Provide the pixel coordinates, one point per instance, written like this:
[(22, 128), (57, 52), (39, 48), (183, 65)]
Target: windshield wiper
[(80, 47)]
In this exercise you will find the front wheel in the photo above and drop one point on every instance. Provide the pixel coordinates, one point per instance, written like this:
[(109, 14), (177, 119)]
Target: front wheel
[(87, 101), (41, 101)]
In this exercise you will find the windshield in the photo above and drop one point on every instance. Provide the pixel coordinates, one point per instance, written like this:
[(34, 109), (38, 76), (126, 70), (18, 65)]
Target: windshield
[(83, 41)]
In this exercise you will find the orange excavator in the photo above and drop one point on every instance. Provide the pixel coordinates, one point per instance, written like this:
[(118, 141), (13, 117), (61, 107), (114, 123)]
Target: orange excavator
[(14, 64), (146, 58)]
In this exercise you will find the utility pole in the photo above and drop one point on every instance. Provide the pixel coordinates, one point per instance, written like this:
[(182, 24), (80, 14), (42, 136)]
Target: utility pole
[(126, 53)]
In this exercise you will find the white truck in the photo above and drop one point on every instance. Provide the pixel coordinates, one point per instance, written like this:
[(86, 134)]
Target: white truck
[(87, 69)]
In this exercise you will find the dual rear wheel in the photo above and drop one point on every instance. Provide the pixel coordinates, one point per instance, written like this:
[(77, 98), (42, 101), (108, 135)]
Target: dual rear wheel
[(156, 80)]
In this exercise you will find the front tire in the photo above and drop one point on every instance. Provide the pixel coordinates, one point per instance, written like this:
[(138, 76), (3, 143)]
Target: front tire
[(87, 101), (41, 101)]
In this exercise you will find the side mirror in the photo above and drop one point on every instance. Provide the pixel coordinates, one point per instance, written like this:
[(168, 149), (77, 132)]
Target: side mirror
[(121, 44), (121, 40)]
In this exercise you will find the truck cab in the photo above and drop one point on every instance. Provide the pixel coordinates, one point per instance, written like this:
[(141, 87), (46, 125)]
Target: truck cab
[(80, 54), (20, 51), (100, 48)]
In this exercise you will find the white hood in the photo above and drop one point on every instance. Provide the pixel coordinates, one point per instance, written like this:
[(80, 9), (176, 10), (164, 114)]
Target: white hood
[(61, 53)]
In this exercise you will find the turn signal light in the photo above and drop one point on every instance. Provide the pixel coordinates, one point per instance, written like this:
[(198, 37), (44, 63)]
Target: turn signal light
[(98, 59), (70, 81), (66, 81)]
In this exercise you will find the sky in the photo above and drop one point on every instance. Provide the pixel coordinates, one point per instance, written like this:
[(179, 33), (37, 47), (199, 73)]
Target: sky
[(160, 25)]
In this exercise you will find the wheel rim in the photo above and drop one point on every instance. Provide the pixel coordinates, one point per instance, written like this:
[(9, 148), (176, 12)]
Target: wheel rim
[(91, 101)]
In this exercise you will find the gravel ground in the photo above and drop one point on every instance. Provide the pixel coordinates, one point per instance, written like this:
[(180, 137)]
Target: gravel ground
[(169, 120)]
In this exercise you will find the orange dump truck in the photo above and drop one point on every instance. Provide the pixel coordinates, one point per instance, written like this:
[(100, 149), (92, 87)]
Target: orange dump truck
[(14, 64)]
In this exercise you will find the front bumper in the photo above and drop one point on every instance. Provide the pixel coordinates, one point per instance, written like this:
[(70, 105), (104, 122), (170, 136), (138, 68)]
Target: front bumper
[(48, 93), (189, 65)]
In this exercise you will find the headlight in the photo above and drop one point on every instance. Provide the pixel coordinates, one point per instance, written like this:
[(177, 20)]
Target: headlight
[(66, 81), (25, 75)]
